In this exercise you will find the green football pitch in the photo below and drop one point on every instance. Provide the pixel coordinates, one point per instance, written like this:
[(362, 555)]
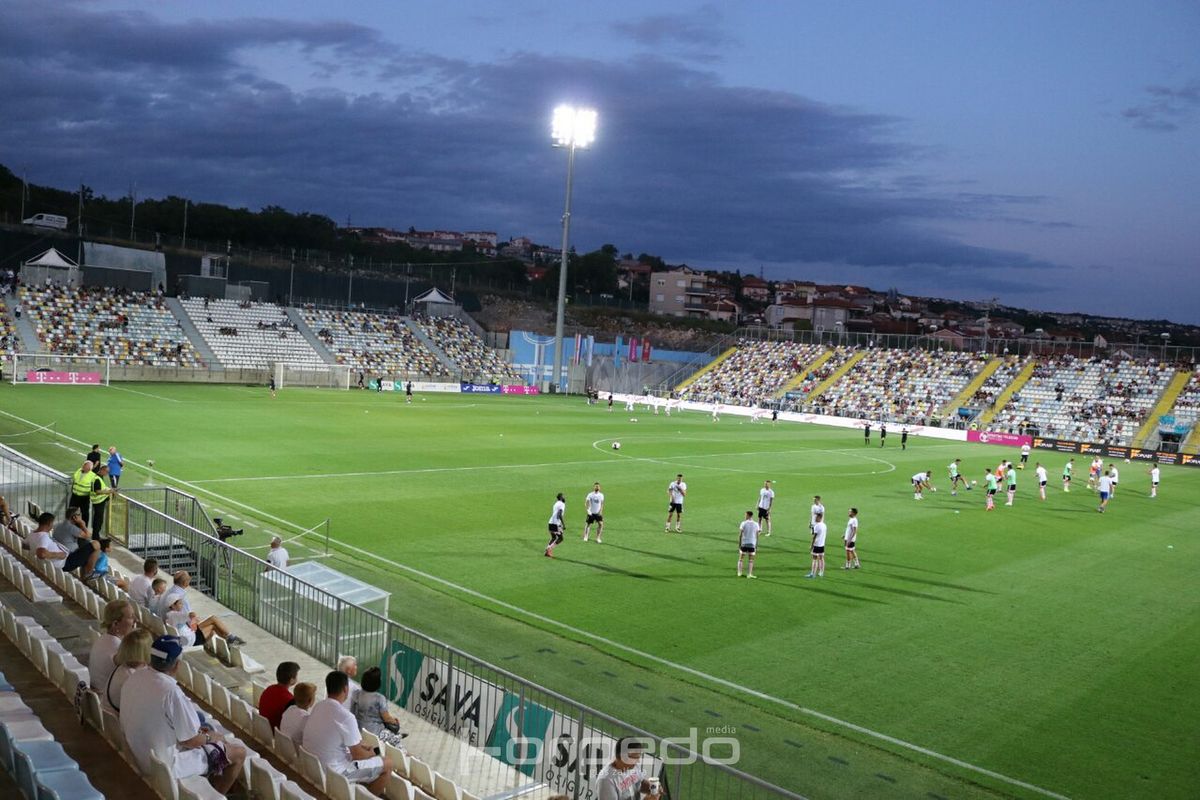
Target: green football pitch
[(1038, 650)]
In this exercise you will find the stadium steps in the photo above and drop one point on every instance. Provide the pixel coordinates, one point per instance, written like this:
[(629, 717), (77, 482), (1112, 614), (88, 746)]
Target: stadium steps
[(963, 397), (1017, 383), (804, 373), (1163, 406), (836, 376), (313, 340), (193, 333), (445, 360), (173, 555), (716, 362), (26, 333)]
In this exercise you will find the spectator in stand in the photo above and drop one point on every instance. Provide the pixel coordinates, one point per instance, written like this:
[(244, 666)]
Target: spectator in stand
[(132, 655), (189, 628), (276, 697), (623, 779), (333, 736), (371, 709), (157, 718), (77, 542), (42, 543), (103, 572), (292, 723), (5, 517), (277, 556), (203, 628), (141, 587), (158, 596), (117, 621), (115, 465), (349, 665)]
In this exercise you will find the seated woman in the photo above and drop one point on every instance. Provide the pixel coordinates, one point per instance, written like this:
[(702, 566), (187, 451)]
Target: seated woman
[(132, 655), (370, 708), (191, 630), (295, 716)]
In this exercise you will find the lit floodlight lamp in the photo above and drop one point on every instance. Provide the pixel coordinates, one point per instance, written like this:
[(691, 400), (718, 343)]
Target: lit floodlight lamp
[(573, 127)]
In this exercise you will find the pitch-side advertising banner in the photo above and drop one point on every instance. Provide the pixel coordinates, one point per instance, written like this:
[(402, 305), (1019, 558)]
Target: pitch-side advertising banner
[(481, 388), (992, 437), (520, 389), (45, 376)]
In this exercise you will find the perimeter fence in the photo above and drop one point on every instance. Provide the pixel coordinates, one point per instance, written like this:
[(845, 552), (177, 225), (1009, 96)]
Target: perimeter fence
[(542, 737)]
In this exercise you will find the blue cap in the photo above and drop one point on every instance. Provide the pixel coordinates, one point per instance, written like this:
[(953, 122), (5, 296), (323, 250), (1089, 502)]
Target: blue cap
[(165, 650)]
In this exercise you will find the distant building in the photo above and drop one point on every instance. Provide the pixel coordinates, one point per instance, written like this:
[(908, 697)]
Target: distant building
[(787, 313), (756, 289), (680, 292)]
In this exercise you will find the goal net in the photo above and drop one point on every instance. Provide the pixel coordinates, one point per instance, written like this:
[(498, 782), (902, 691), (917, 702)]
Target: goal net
[(324, 376), (30, 368)]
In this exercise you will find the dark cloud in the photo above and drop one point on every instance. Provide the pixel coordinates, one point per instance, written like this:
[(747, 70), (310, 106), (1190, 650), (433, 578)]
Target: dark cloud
[(1166, 108), (694, 34), (684, 166)]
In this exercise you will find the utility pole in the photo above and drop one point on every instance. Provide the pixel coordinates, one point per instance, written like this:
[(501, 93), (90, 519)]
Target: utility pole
[(132, 207), (183, 245), (24, 191), (987, 313)]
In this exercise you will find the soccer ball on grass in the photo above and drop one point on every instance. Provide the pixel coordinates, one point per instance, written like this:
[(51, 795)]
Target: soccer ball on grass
[(616, 445)]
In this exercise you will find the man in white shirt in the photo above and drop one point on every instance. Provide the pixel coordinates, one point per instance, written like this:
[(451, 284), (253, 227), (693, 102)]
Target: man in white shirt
[(624, 779), (920, 482), (817, 510), (1024, 456), (747, 542), (676, 491), (333, 736), (348, 665), (141, 588), (850, 537), (156, 717), (277, 556), (594, 504), (766, 497), (1154, 481), (1040, 471), (1105, 491), (1116, 478), (818, 548), (556, 524), (42, 543)]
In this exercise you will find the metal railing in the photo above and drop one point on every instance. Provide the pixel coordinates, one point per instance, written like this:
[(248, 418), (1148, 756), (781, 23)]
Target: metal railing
[(545, 737)]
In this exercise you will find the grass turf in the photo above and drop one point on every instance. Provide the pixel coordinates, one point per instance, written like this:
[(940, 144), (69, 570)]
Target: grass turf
[(1043, 642)]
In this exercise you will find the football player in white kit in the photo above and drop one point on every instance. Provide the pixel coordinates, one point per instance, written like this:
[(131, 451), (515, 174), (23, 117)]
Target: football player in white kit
[(850, 538), (818, 548), (766, 497), (817, 510), (556, 523), (1154, 481), (594, 507), (676, 492), (747, 543), (1041, 479), (920, 482), (1024, 456)]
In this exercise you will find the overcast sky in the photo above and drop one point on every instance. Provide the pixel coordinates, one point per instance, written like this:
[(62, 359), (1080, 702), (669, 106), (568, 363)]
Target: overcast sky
[(1044, 153)]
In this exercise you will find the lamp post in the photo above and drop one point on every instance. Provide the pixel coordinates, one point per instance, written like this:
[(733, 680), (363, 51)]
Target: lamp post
[(571, 128), (1166, 337)]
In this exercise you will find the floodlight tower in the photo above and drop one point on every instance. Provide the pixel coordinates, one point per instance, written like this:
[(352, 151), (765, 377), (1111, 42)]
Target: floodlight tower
[(572, 128)]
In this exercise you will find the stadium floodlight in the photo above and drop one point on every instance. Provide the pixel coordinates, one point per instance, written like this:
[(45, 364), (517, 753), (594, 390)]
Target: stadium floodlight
[(571, 129)]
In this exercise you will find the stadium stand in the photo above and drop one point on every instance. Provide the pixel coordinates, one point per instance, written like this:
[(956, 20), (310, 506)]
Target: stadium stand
[(986, 394), (373, 343), (249, 334), (476, 360), (1087, 399), (1187, 405), (134, 328), (8, 330), (906, 386), (753, 374), (838, 356)]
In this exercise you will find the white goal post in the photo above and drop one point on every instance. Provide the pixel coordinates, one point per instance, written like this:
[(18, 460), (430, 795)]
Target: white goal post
[(325, 376), (64, 370)]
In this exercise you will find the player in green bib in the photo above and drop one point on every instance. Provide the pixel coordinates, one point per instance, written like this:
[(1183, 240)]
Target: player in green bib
[(955, 478), (992, 485), (1070, 466)]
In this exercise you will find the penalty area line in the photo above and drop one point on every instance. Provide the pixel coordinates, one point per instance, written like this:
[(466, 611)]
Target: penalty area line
[(683, 668)]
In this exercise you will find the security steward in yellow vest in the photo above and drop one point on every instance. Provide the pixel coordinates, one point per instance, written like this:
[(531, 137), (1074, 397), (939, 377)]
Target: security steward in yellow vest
[(81, 490), (100, 493)]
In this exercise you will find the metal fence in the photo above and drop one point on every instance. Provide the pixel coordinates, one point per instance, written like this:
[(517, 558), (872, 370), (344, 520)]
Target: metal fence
[(557, 740)]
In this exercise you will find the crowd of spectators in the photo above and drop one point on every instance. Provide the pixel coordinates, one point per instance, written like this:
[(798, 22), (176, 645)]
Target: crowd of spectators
[(985, 396), (133, 328), (905, 386), (754, 374), (1087, 399), (474, 358), (245, 334), (377, 344), (1187, 405)]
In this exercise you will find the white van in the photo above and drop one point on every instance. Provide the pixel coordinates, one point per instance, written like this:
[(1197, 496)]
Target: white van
[(48, 221)]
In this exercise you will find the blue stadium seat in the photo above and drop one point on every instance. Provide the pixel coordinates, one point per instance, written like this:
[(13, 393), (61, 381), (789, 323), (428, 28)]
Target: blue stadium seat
[(66, 785), (33, 759)]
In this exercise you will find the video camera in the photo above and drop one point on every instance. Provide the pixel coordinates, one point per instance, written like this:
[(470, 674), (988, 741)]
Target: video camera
[(224, 531)]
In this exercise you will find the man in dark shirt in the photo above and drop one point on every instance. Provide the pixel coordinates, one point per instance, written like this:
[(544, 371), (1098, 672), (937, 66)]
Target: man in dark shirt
[(95, 455)]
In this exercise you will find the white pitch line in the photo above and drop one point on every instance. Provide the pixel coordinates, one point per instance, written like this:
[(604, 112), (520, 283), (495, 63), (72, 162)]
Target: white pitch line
[(731, 685), (145, 394)]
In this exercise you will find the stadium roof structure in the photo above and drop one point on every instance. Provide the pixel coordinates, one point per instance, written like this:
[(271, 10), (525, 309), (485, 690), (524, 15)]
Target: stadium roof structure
[(332, 583), (435, 295), (51, 258)]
